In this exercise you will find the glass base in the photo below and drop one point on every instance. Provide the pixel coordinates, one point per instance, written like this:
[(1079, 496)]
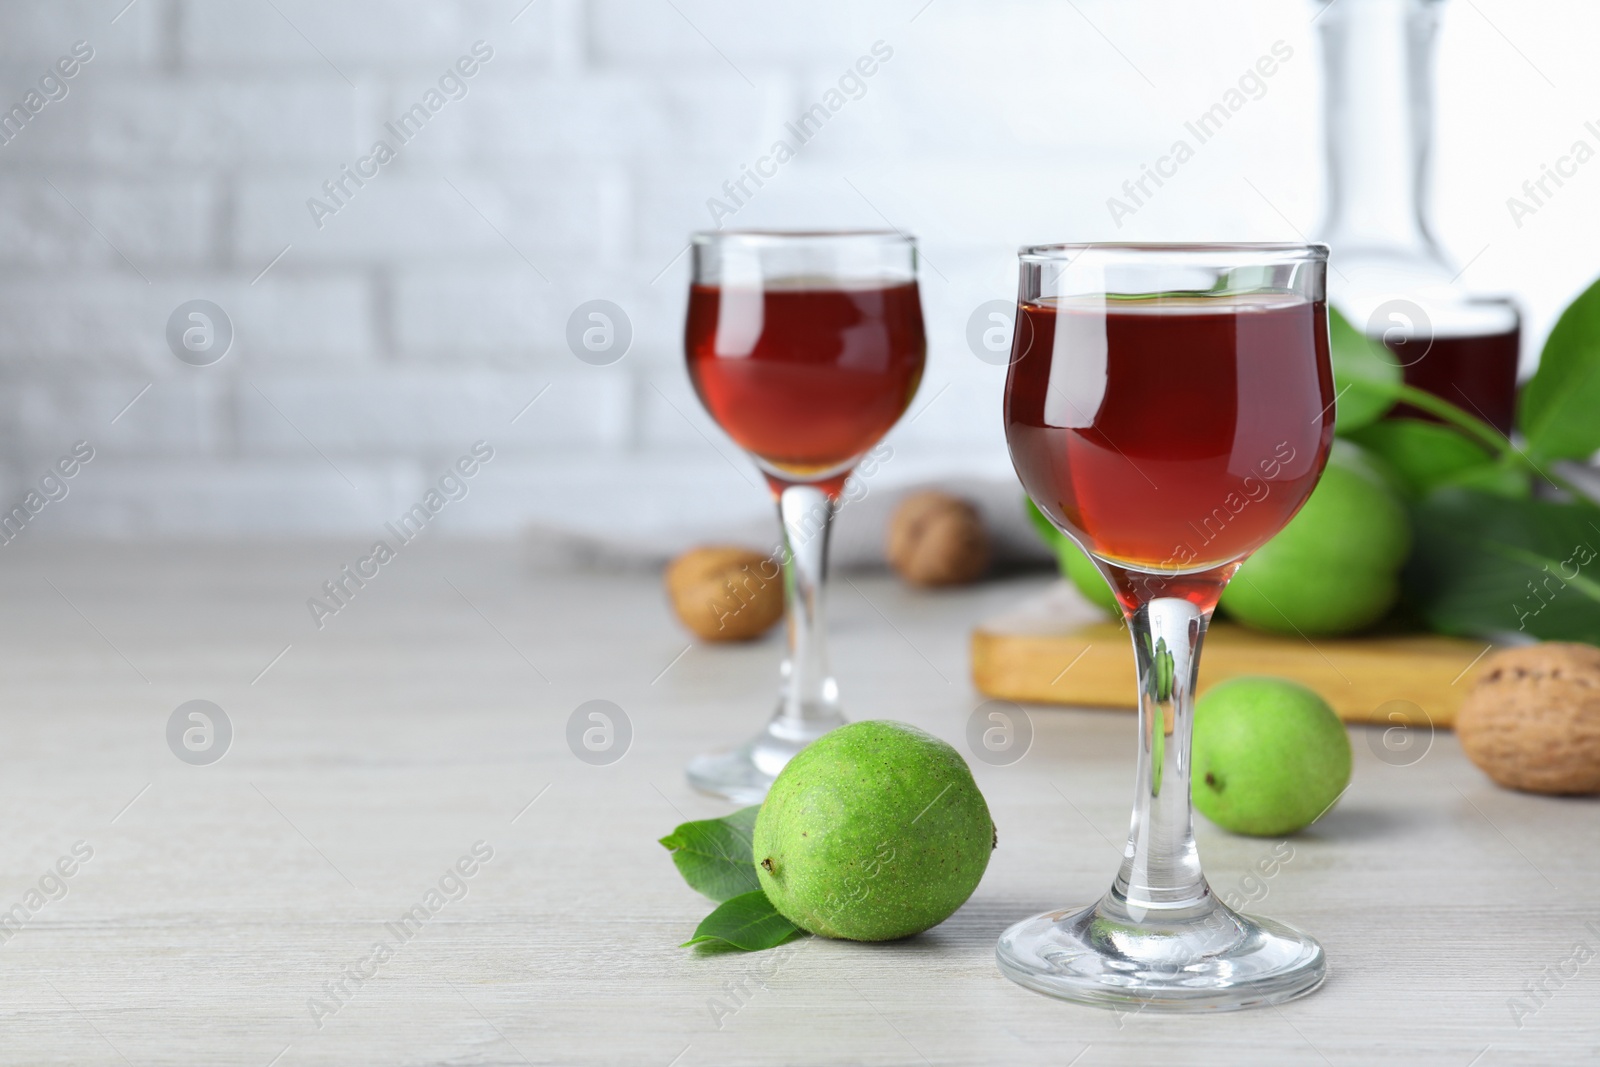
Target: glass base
[(1218, 960), (745, 774)]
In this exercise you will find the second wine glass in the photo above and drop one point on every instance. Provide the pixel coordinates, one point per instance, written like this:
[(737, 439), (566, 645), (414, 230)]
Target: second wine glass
[(805, 347), (1169, 408)]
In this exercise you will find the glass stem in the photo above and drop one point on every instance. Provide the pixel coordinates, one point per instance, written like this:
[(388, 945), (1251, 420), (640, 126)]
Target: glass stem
[(810, 698), (1160, 876)]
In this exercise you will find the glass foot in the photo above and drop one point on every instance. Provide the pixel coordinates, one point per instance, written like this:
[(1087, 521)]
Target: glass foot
[(1217, 961), (745, 774)]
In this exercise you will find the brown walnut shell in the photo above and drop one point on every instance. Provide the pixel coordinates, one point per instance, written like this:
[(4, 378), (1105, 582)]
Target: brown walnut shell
[(937, 539), (1532, 720), (726, 594)]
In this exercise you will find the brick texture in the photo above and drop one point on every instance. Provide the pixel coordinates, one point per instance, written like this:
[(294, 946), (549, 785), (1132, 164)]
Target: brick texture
[(423, 308)]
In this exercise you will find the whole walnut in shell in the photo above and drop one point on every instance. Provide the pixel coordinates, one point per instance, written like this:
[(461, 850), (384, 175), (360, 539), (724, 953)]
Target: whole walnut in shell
[(726, 594), (937, 539), (1532, 720)]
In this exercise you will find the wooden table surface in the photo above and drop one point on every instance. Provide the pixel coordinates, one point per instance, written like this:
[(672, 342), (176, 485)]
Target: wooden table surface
[(221, 905)]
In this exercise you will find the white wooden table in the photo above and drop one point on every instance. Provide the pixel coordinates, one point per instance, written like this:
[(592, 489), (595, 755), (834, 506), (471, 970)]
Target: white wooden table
[(371, 756)]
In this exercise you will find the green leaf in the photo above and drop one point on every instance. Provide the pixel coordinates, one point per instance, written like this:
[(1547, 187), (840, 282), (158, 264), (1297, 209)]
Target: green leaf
[(1509, 480), (1485, 565), (1556, 411), (748, 922), (1423, 455), (713, 855), (1365, 375)]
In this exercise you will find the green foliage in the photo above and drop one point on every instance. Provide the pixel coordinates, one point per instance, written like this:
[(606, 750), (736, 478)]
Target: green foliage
[(1486, 565), (1559, 410), (1423, 455), (748, 922), (713, 855), (1365, 376)]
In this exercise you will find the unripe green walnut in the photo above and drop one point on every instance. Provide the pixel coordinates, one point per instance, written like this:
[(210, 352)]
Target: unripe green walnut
[(1269, 756), (874, 831)]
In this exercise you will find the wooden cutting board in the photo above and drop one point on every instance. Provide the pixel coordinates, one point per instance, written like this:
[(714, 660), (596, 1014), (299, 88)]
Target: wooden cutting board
[(1057, 649)]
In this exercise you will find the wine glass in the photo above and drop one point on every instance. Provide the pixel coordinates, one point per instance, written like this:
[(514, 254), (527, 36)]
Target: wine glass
[(805, 347), (1170, 408)]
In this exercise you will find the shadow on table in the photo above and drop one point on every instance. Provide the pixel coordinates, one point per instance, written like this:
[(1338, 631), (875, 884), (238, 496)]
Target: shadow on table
[(981, 921), (1361, 823)]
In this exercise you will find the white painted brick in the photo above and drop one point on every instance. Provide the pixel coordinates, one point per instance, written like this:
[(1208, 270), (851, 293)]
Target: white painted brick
[(940, 201), (603, 497), (966, 278), (672, 498), (153, 223), (671, 416), (592, 141), (117, 320), (497, 316), (11, 485), (314, 319), (1200, 49), (1002, 205), (912, 105), (358, 38), (398, 216), (178, 415), (958, 405), (607, 116), (215, 498), (503, 317), (101, 320), (656, 311), (37, 34), (139, 120), (437, 415), (674, 203), (630, 32)]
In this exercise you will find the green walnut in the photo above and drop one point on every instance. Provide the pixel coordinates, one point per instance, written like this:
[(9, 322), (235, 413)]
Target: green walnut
[(1335, 568), (1269, 756), (874, 831), (1076, 566)]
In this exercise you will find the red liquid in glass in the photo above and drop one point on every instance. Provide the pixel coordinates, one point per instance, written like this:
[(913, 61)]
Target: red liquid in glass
[(1177, 434), (806, 379), (1476, 373)]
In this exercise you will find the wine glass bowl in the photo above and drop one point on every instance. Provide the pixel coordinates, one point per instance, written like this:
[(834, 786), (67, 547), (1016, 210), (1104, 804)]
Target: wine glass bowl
[(1164, 461), (805, 348), (806, 379), (1169, 408)]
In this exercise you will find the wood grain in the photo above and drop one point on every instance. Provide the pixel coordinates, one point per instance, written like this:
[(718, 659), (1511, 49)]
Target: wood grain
[(1046, 652)]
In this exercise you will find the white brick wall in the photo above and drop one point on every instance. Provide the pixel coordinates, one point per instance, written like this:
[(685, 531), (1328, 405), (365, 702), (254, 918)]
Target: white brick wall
[(428, 311)]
